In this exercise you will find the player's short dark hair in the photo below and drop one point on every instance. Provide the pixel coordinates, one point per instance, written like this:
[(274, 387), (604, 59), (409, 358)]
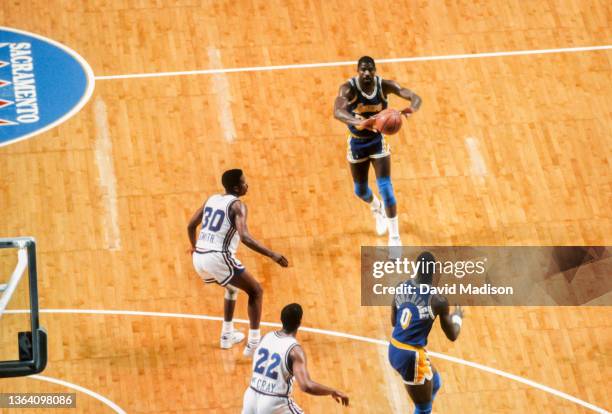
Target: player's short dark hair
[(427, 267), (291, 317), (231, 178), (365, 59)]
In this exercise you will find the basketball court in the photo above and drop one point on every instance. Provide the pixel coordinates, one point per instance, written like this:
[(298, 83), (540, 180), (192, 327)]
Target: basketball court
[(512, 147)]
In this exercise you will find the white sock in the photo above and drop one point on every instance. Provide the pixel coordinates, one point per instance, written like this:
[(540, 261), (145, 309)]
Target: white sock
[(227, 327), (254, 335), (393, 227), (375, 204)]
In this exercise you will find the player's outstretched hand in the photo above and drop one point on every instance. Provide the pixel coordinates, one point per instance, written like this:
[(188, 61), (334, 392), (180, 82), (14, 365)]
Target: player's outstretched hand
[(407, 111), (368, 124), (340, 397), (280, 259)]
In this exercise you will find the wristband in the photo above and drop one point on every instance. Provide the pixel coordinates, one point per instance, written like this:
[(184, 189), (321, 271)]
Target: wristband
[(457, 320)]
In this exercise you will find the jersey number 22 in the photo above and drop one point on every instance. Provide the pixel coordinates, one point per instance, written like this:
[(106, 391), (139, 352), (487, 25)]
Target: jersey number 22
[(260, 365)]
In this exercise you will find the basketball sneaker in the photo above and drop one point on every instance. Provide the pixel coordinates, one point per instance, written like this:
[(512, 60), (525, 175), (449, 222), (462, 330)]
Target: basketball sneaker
[(395, 247), (381, 220), (250, 348), (230, 338), (394, 241)]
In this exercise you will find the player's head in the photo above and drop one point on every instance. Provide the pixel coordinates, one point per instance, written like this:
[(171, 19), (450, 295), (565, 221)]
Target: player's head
[(234, 182), (426, 262), (291, 317), (366, 68)]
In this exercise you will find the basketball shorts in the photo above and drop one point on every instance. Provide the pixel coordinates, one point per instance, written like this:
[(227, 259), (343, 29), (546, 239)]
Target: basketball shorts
[(411, 362), (256, 403), (362, 149), (216, 267)]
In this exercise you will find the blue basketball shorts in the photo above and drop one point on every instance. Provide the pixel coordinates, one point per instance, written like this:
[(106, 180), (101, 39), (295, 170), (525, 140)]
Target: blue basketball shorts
[(411, 362), (362, 149)]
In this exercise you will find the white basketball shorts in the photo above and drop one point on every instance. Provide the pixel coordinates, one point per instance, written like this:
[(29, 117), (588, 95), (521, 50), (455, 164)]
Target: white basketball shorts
[(257, 403), (216, 267)]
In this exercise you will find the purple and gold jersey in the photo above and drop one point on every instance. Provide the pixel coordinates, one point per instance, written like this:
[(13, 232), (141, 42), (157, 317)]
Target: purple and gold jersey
[(414, 318), (364, 106)]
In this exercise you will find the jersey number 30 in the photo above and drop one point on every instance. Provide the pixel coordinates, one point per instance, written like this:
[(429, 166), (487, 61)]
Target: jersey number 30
[(214, 221), (260, 365)]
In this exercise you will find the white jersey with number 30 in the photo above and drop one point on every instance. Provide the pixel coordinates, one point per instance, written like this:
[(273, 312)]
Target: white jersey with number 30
[(218, 233)]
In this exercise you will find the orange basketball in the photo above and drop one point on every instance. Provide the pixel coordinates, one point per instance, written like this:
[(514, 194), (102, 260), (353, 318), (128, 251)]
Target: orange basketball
[(388, 121)]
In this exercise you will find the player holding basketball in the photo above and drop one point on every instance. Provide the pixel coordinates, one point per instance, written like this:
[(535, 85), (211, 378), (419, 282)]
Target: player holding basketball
[(412, 317), (224, 224), (358, 102), (278, 360)]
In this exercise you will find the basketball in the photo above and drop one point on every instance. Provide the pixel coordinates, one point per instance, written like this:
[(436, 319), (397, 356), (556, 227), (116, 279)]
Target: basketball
[(388, 121)]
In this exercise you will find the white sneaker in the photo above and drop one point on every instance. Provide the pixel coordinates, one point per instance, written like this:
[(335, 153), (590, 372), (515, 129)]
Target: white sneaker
[(394, 241), (381, 220), (395, 248), (229, 339), (250, 348)]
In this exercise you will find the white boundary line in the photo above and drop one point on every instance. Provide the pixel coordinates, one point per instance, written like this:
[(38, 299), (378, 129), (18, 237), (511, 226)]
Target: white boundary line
[(91, 82), (353, 63), (84, 390), (460, 361)]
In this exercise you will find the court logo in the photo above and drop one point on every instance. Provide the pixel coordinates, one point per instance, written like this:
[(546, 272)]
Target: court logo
[(42, 84)]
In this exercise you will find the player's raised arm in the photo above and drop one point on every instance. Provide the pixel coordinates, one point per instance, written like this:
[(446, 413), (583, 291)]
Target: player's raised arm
[(300, 372), (195, 220), (238, 213), (391, 86), (451, 323)]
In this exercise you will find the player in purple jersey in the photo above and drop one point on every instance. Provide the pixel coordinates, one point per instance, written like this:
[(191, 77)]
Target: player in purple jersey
[(412, 317), (360, 99)]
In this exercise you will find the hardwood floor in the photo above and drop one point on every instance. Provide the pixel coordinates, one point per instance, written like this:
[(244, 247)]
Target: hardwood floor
[(511, 150)]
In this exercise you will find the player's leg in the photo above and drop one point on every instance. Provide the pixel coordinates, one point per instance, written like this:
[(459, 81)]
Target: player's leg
[(359, 172), (382, 168), (421, 396), (436, 382), (229, 303), (246, 282), (212, 267), (229, 335), (415, 369)]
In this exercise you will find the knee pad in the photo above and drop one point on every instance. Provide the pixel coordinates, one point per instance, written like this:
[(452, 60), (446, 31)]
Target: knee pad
[(363, 191), (231, 293), (385, 188), (437, 383), (423, 408)]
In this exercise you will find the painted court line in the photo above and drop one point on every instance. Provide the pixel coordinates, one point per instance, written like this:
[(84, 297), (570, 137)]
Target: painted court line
[(84, 390), (352, 63), (221, 89), (460, 361), (106, 177), (478, 167)]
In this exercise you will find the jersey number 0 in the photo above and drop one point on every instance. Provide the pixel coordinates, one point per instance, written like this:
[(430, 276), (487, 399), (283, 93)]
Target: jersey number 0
[(405, 318)]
